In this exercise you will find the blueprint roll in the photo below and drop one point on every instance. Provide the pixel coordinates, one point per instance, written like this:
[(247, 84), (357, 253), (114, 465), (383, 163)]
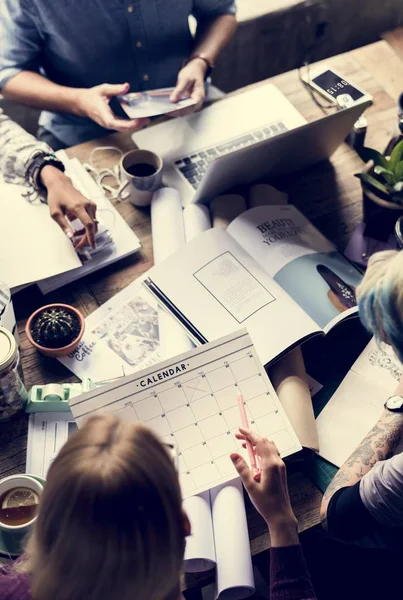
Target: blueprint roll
[(197, 219), (168, 234), (226, 208)]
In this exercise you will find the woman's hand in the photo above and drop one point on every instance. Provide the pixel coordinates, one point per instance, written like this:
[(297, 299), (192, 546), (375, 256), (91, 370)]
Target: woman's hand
[(268, 489), (190, 83), (65, 201)]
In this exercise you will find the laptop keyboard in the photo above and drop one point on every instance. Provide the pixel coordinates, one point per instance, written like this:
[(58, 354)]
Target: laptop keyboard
[(194, 167)]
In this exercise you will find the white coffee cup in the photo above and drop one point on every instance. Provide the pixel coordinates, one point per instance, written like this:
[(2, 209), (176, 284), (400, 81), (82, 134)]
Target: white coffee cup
[(139, 187), (17, 481)]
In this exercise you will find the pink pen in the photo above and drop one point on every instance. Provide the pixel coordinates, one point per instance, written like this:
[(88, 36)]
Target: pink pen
[(244, 421)]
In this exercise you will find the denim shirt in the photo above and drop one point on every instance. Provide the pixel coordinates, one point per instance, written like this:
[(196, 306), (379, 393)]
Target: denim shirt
[(83, 43)]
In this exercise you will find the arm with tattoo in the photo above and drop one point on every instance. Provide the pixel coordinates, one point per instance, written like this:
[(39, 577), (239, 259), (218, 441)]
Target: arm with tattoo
[(378, 444)]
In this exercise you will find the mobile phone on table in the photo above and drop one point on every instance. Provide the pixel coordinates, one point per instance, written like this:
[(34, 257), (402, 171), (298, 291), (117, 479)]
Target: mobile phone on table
[(334, 87)]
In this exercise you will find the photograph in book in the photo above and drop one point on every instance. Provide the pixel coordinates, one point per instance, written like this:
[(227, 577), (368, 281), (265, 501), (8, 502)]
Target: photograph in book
[(121, 337), (301, 260), (192, 402)]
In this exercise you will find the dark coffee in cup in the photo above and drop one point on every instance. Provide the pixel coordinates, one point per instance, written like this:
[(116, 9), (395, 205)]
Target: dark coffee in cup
[(141, 170), (18, 506)]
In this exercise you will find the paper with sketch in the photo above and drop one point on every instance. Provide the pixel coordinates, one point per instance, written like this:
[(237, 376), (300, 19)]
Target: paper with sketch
[(192, 401), (215, 287), (358, 402), (47, 433), (121, 337), (301, 260), (151, 103)]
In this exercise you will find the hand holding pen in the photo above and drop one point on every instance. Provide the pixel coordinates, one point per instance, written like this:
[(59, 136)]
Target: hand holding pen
[(268, 489)]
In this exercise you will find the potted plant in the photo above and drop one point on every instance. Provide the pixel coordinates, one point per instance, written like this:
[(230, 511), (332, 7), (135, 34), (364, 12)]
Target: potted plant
[(55, 329), (382, 186)]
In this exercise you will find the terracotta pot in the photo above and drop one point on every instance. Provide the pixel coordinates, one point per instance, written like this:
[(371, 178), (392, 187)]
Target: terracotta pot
[(56, 352), (380, 214)]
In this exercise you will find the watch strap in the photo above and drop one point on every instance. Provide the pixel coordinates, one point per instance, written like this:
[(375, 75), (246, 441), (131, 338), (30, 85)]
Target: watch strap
[(210, 65)]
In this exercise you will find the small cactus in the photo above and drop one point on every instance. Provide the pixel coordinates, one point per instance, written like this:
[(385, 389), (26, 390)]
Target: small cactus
[(55, 328)]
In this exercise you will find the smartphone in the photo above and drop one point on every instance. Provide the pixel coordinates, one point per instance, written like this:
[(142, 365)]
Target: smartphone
[(334, 87)]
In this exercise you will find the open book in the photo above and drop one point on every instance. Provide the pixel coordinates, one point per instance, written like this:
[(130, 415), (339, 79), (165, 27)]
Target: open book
[(271, 271), (358, 402)]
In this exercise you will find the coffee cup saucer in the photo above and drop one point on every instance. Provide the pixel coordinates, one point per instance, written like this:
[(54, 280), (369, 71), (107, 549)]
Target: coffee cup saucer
[(11, 545)]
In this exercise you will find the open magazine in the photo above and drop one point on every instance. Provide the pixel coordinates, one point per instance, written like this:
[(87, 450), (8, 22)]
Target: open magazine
[(271, 271)]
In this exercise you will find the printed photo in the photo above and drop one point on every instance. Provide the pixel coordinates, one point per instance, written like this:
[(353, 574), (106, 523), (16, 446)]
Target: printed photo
[(139, 105), (131, 331)]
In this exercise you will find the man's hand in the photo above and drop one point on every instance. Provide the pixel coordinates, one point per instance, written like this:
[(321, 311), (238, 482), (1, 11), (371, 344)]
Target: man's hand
[(65, 201), (93, 103), (268, 489), (190, 83)]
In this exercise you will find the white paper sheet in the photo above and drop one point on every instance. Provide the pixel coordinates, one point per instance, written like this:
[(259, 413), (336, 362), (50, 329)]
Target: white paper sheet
[(196, 218), (47, 433), (200, 553), (32, 245), (168, 234), (234, 563), (358, 402), (192, 401)]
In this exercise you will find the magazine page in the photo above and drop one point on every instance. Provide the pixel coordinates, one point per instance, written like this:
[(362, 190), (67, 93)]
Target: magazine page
[(216, 287), (301, 260)]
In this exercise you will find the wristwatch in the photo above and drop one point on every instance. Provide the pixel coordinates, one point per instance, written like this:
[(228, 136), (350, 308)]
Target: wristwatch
[(395, 404)]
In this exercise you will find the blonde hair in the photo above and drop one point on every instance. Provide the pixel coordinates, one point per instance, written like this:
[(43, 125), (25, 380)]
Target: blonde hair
[(110, 523), (380, 298)]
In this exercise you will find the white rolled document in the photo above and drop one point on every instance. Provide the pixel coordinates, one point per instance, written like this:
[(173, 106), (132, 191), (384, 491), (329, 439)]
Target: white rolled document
[(220, 537), (168, 235), (196, 218)]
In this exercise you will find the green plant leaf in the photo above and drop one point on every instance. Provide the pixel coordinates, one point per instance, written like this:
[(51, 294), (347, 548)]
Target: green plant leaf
[(367, 154), (387, 175), (398, 187), (396, 156), (399, 171), (373, 183)]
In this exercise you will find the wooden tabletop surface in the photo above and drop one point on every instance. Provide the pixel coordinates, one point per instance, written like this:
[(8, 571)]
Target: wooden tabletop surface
[(327, 194)]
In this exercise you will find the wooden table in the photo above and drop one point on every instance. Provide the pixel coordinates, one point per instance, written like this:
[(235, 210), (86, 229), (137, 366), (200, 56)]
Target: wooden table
[(327, 194)]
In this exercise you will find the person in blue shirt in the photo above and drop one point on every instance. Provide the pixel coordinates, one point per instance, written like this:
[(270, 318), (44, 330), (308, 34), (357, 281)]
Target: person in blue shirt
[(72, 59)]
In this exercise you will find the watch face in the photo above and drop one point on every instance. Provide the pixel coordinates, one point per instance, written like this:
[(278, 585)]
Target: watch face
[(394, 403)]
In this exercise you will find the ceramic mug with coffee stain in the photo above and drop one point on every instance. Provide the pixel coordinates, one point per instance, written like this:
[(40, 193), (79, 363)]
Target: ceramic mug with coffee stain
[(142, 172)]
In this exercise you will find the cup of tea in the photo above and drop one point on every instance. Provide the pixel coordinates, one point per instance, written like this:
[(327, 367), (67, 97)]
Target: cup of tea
[(142, 171), (19, 503)]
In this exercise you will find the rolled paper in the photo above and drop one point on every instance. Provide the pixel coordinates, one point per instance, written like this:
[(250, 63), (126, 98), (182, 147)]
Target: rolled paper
[(226, 208), (168, 233), (288, 377), (263, 194), (196, 218)]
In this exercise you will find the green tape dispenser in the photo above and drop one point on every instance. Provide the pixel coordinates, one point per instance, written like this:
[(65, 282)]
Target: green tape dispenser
[(54, 397)]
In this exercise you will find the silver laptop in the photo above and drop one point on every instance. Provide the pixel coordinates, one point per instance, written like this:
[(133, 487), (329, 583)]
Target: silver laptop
[(241, 139)]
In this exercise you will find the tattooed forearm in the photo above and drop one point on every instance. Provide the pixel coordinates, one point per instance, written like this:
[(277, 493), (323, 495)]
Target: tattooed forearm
[(379, 444)]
